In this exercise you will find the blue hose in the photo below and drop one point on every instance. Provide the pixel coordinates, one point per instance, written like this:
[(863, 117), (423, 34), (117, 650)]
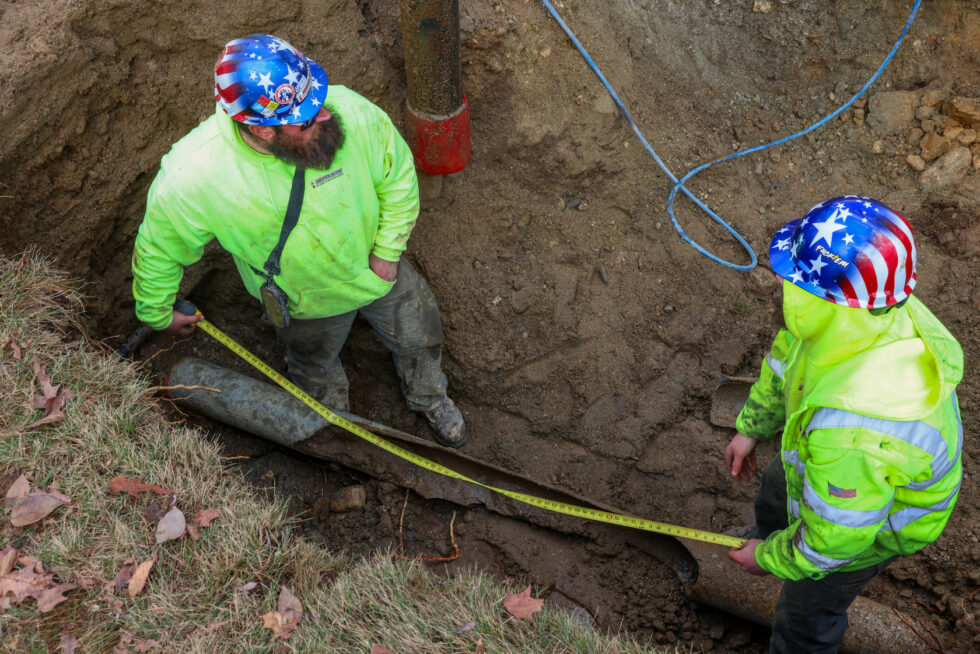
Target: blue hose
[(679, 184)]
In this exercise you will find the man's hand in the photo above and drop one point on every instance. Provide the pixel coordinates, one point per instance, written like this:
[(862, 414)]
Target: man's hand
[(183, 324), (740, 457), (386, 270), (745, 557)]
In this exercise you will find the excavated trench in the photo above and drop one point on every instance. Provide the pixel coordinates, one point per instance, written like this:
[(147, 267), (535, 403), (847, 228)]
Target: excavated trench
[(583, 338)]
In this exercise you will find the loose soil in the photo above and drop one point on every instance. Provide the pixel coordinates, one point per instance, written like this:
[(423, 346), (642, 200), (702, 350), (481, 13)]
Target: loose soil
[(583, 337)]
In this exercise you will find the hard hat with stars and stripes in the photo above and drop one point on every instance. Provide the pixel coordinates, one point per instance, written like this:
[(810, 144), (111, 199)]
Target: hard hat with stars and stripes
[(263, 80), (850, 250)]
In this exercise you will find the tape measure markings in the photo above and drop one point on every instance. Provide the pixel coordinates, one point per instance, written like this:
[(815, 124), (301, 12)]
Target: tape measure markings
[(550, 505)]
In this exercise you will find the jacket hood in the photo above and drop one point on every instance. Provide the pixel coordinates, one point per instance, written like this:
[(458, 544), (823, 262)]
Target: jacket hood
[(897, 366)]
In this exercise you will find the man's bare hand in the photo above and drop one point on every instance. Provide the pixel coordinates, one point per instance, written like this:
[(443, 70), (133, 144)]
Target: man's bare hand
[(386, 270), (740, 457), (745, 557), (182, 324)]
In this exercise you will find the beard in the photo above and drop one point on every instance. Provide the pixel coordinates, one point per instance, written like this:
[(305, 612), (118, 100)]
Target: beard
[(318, 152)]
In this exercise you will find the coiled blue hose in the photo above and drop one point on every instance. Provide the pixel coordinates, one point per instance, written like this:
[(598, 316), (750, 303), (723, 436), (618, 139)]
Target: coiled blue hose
[(679, 184)]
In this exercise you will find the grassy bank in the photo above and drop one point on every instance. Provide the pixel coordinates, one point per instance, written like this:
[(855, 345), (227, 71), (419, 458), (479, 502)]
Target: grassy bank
[(201, 595)]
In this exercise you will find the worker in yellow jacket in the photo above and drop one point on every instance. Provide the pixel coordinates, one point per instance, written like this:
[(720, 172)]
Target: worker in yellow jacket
[(314, 194), (861, 385)]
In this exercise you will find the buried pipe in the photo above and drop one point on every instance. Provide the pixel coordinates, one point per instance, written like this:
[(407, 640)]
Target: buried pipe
[(437, 118), (271, 412)]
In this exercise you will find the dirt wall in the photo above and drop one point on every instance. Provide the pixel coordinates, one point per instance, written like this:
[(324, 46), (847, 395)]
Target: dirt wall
[(583, 336)]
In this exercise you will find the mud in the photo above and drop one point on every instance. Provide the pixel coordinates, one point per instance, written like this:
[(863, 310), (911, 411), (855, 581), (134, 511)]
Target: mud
[(584, 337)]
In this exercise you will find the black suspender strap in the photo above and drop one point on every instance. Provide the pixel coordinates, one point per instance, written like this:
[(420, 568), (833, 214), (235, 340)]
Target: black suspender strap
[(289, 222)]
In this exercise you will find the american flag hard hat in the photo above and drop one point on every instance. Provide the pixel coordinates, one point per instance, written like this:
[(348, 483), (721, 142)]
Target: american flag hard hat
[(850, 250), (263, 80)]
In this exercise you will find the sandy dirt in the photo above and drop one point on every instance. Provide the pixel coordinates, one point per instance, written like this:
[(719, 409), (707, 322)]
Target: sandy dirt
[(583, 337)]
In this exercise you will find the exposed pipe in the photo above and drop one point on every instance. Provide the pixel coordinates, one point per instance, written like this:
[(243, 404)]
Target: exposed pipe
[(437, 118), (271, 412)]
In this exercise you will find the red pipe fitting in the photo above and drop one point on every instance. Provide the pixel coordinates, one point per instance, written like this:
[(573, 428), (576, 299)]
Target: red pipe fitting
[(441, 144)]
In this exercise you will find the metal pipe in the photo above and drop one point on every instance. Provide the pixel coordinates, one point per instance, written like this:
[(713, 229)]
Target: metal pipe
[(436, 114), (271, 412)]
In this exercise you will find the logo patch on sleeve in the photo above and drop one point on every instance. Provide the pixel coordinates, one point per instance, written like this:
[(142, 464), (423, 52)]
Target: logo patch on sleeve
[(841, 492)]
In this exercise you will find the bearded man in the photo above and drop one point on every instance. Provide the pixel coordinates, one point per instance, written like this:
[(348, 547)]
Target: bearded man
[(315, 200)]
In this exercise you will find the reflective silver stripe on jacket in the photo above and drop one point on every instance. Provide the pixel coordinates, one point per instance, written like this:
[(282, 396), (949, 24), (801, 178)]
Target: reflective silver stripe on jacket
[(793, 457), (777, 366), (855, 518), (794, 508), (820, 561), (914, 432), (904, 517)]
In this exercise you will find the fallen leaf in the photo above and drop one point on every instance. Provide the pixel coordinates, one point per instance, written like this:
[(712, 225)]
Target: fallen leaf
[(380, 649), (138, 580), (68, 644), (479, 647), (154, 512), (204, 517), (122, 578), (46, 387), (284, 621), (135, 486), (193, 532), (171, 526), (51, 401), (28, 581), (250, 585), (52, 597), (32, 508), (465, 627), (12, 344), (148, 646), (20, 488), (7, 559), (522, 606)]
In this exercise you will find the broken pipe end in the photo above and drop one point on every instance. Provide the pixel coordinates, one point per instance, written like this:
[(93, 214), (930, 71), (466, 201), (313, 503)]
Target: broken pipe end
[(441, 144)]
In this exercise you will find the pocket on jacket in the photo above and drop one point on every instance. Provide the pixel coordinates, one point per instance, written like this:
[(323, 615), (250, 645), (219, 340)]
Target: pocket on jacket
[(342, 297)]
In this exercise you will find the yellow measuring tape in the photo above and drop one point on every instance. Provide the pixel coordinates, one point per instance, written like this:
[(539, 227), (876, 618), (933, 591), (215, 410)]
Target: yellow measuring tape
[(558, 507)]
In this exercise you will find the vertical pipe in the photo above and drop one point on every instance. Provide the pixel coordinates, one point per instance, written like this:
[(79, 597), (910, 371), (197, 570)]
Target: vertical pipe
[(436, 114)]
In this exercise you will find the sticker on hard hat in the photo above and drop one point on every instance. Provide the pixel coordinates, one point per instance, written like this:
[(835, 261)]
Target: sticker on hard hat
[(284, 94)]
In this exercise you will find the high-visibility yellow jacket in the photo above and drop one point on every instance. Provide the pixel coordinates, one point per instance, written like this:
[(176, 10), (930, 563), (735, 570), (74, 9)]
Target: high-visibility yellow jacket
[(212, 185), (871, 433)]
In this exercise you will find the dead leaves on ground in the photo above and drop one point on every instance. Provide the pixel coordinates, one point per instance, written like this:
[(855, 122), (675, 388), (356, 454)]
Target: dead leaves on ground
[(136, 486), (138, 580), (30, 580), (522, 606), (27, 507), (284, 620), (12, 344), (51, 400)]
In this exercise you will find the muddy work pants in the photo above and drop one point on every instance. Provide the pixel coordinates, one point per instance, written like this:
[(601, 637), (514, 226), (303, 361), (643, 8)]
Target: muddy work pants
[(406, 320), (811, 615)]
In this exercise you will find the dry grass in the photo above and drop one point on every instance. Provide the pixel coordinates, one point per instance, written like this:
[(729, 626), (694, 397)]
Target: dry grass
[(196, 599)]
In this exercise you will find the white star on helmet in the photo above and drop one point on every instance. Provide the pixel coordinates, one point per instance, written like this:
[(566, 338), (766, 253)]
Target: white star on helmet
[(825, 231), (265, 79), (796, 276), (816, 265), (293, 76)]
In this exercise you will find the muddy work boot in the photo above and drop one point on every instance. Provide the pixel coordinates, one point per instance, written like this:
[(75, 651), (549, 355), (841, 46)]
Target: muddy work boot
[(447, 422)]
